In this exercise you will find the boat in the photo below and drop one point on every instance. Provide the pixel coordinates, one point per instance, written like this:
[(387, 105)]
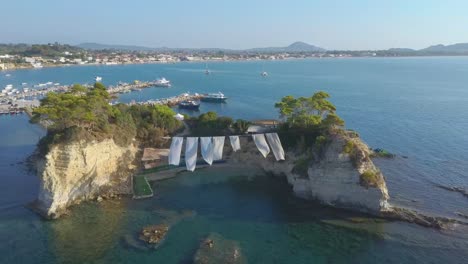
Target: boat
[(214, 97), (162, 82), (98, 78), (207, 71), (190, 105), (264, 73)]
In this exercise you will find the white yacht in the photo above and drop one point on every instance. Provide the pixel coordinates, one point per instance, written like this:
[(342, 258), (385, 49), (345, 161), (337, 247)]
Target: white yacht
[(214, 98), (264, 74), (98, 78), (162, 82)]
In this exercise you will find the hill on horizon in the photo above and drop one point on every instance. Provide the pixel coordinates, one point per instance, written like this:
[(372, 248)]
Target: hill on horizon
[(98, 46), (454, 48), (294, 47), (297, 46)]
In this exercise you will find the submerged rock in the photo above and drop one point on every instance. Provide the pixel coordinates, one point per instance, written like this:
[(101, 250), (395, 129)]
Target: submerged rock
[(216, 249), (411, 216), (154, 234)]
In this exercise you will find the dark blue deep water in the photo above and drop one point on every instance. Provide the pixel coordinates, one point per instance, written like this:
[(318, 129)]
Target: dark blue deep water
[(414, 107)]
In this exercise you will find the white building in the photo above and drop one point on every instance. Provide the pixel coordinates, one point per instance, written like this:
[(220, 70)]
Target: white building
[(29, 60)]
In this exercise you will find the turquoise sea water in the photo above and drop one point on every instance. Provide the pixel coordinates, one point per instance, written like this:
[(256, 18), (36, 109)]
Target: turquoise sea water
[(414, 107)]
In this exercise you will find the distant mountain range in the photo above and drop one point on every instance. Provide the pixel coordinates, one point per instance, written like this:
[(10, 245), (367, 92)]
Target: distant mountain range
[(455, 48), (98, 46), (295, 47)]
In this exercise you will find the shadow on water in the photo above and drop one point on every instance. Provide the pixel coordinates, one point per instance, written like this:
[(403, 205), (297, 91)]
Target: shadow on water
[(239, 205), (88, 234)]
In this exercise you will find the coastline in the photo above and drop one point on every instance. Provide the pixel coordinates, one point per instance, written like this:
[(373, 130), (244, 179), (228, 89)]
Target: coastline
[(229, 61)]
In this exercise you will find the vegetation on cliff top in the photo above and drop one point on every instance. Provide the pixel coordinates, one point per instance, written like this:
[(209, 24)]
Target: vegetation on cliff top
[(85, 113), (210, 124), (307, 118), (308, 124), (370, 178)]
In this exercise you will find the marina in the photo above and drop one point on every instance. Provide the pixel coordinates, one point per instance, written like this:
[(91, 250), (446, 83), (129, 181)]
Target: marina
[(16, 101), (9, 93)]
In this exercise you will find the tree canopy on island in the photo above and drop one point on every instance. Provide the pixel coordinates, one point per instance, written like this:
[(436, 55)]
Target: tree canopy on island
[(309, 112), (86, 111), (308, 121)]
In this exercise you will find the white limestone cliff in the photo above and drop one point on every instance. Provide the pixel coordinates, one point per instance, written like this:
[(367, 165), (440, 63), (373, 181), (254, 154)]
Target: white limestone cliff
[(333, 180), (77, 171)]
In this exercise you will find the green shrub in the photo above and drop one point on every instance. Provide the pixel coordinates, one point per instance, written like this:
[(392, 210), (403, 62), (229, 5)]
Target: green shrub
[(369, 178), (349, 147), (301, 166), (241, 126), (381, 153), (210, 124)]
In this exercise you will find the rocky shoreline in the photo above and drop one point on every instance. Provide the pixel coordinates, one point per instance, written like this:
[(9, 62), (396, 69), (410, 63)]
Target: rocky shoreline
[(83, 171), (335, 180)]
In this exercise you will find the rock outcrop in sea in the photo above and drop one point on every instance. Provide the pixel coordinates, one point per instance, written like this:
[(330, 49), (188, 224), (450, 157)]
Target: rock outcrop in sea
[(76, 171), (335, 179), (84, 170)]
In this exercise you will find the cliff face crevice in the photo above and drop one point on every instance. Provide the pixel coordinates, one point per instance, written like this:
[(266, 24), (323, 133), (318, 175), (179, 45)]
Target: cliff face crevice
[(335, 179), (77, 171)]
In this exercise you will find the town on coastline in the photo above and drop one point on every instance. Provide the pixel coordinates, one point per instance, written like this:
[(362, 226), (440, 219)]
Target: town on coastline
[(38, 56), (24, 56)]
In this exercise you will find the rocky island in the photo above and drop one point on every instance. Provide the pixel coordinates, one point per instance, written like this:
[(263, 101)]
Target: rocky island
[(92, 149)]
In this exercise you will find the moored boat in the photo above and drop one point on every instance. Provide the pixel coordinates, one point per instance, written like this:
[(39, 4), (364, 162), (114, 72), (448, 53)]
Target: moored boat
[(189, 104), (214, 98), (163, 82)]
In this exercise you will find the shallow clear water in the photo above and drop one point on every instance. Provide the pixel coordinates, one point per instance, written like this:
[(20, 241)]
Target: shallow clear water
[(411, 106)]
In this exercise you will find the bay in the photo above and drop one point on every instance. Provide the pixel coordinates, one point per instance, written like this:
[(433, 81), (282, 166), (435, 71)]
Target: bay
[(414, 107)]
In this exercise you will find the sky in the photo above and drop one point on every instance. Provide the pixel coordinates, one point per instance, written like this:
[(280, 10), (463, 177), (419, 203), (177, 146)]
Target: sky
[(237, 24)]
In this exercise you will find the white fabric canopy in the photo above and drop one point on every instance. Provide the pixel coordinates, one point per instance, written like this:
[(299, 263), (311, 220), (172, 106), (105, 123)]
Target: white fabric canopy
[(207, 149), (261, 144), (275, 145), (191, 147), (235, 143), (218, 145), (174, 152)]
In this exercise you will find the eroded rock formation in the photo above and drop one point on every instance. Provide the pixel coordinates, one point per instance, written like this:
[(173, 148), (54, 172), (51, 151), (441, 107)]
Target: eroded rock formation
[(335, 179), (77, 171)]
